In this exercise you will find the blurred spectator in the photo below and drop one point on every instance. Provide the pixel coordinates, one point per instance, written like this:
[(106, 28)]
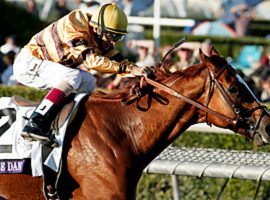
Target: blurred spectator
[(145, 51), (61, 8), (226, 15), (242, 18), (10, 45), (249, 56), (31, 7), (265, 59), (89, 5), (6, 76), (265, 85), (182, 57), (185, 56)]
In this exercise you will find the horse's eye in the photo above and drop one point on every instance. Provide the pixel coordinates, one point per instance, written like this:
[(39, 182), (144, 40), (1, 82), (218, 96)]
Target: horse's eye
[(233, 90)]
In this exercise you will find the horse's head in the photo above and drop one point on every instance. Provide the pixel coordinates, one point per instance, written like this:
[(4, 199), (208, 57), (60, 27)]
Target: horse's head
[(230, 96)]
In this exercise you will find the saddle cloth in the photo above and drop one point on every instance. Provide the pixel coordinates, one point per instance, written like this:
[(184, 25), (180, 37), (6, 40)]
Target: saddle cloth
[(14, 147)]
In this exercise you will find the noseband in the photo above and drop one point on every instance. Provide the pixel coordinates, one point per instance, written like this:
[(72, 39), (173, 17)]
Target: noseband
[(241, 115)]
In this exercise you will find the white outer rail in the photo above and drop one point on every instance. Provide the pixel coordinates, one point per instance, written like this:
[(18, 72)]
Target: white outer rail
[(206, 162)]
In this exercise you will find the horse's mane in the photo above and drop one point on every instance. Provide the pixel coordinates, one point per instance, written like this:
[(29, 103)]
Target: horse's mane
[(162, 76)]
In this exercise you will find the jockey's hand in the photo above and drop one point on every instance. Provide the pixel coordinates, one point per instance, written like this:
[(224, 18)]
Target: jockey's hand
[(146, 72), (150, 72), (137, 71)]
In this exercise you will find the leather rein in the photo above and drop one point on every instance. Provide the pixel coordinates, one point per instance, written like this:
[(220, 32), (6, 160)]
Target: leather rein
[(214, 81)]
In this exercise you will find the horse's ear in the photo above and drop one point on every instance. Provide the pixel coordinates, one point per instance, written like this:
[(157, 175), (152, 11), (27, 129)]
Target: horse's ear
[(204, 57), (207, 61), (213, 52)]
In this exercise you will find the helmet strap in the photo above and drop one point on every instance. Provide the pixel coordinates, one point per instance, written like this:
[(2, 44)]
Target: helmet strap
[(101, 24)]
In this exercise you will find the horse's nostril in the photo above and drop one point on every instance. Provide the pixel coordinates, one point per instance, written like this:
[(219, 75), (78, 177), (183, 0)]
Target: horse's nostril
[(267, 129)]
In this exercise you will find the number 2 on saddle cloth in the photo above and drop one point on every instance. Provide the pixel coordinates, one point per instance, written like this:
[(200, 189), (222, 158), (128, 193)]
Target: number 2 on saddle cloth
[(11, 114)]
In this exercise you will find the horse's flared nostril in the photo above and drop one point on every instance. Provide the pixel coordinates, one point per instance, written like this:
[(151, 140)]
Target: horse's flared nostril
[(267, 129)]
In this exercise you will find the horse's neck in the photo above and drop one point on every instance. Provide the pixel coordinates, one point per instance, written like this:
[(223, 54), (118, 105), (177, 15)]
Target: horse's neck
[(146, 132), (163, 123)]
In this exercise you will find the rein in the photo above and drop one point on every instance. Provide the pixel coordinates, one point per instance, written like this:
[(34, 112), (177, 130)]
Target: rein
[(237, 110), (188, 100), (214, 81)]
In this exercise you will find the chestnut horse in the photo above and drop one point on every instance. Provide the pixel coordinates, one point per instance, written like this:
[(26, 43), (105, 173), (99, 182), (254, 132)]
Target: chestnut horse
[(108, 145)]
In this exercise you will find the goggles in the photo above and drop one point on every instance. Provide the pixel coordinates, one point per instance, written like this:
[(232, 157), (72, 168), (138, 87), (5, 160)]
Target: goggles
[(114, 36)]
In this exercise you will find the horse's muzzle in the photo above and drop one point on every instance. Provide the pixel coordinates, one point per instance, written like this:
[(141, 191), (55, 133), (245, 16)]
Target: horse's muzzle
[(262, 134), (258, 140)]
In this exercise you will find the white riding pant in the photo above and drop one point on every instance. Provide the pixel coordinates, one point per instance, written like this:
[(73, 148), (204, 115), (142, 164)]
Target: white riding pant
[(43, 74)]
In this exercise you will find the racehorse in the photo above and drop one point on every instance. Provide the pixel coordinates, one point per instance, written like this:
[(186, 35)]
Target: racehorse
[(108, 145)]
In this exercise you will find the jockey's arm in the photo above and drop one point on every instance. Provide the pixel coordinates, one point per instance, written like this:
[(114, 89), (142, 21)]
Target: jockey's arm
[(107, 64), (111, 62)]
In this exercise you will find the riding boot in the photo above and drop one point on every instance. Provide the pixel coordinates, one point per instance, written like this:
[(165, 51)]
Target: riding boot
[(39, 124)]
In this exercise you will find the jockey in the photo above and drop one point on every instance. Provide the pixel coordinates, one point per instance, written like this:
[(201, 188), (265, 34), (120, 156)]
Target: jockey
[(50, 61)]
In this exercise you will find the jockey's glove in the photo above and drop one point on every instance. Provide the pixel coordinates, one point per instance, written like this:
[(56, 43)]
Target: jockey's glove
[(150, 72), (137, 71)]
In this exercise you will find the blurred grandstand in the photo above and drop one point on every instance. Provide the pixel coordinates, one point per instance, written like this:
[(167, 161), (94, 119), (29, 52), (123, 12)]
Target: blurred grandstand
[(207, 9), (165, 21)]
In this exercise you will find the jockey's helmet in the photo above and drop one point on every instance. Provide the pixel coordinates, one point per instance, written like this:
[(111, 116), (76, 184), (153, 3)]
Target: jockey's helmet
[(110, 19)]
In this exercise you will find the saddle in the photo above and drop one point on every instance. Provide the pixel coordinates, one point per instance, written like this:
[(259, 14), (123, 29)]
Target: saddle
[(50, 177), (60, 119)]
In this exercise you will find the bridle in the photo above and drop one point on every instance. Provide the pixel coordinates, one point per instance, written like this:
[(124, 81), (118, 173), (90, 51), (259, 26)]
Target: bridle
[(241, 114)]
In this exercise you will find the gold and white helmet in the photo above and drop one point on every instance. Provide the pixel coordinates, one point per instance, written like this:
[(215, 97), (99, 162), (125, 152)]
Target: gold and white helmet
[(110, 19)]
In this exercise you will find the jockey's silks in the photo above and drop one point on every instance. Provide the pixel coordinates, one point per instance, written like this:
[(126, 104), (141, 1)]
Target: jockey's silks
[(70, 41)]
